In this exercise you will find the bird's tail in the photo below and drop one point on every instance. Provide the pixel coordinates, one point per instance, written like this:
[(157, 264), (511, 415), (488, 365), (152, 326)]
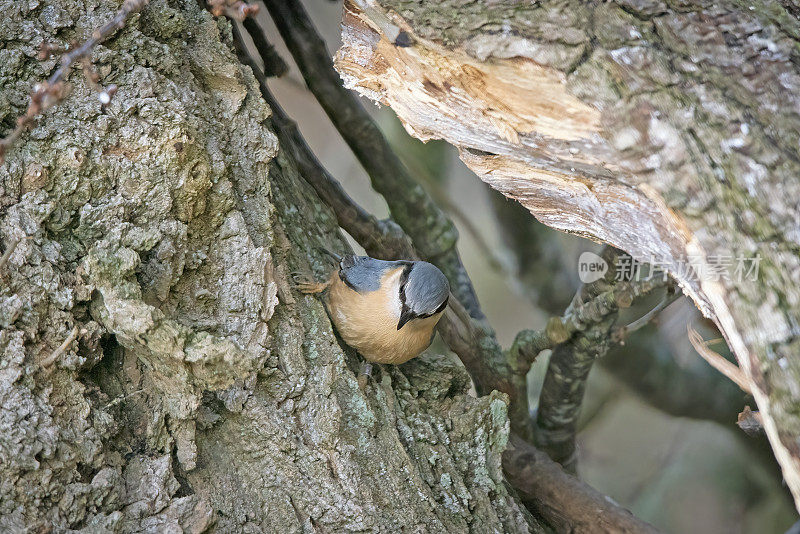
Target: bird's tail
[(336, 257)]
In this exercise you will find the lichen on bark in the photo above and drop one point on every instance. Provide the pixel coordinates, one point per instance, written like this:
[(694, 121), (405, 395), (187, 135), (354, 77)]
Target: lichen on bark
[(201, 393)]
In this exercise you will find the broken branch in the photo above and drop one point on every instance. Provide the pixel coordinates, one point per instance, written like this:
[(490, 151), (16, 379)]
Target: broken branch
[(717, 361)]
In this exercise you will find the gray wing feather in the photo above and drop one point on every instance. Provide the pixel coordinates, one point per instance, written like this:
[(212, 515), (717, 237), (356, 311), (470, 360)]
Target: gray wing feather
[(362, 273)]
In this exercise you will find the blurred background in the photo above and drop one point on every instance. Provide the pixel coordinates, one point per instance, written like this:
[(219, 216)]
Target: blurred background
[(658, 432)]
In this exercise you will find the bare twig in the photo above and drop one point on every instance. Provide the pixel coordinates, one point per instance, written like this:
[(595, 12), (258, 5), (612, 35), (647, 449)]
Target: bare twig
[(233, 9), (433, 233), (621, 333), (56, 354), (12, 246), (274, 65), (717, 361), (582, 314), (48, 93)]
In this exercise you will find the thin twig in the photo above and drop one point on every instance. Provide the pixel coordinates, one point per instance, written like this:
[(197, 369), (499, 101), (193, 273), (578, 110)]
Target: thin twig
[(46, 94), (8, 252), (433, 234), (669, 297), (274, 65), (717, 361), (56, 354), (581, 315)]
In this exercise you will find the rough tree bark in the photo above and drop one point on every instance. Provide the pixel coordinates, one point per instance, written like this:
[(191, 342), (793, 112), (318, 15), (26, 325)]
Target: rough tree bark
[(669, 130), (200, 393)]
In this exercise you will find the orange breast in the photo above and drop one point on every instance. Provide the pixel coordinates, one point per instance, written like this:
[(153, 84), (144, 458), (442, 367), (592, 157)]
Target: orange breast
[(367, 321)]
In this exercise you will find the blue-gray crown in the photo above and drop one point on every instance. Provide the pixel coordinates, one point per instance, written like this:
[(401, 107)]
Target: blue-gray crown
[(425, 290)]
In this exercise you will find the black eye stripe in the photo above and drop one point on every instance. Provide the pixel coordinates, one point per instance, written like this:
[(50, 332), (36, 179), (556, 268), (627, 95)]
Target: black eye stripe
[(441, 308), (403, 280)]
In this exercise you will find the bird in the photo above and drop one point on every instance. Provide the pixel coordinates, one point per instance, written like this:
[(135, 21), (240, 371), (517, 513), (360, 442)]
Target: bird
[(386, 310)]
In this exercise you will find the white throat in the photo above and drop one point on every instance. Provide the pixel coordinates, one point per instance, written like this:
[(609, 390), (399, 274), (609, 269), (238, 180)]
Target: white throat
[(392, 285)]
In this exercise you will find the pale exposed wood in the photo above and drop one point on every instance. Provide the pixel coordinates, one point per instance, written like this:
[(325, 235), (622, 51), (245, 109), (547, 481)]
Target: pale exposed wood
[(669, 134), (717, 361)]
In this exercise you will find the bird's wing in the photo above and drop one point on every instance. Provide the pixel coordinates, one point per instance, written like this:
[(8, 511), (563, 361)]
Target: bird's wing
[(362, 273)]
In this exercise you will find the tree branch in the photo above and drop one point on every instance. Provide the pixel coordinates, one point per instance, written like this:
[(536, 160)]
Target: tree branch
[(591, 305), (589, 320), (670, 296), (571, 505), (643, 363), (274, 65), (717, 361)]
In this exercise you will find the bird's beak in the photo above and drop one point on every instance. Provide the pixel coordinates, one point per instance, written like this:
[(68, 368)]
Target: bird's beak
[(405, 316)]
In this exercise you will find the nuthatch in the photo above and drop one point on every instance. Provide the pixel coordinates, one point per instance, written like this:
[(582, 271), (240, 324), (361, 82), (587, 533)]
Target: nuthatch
[(386, 310)]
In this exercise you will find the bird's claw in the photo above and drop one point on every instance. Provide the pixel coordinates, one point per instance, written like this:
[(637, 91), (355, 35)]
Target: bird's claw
[(305, 283)]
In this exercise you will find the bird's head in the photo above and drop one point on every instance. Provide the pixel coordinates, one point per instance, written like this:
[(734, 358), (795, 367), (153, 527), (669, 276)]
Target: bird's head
[(424, 292)]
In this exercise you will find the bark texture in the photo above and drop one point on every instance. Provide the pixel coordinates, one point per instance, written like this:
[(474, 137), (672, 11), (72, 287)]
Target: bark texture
[(669, 130), (201, 393)]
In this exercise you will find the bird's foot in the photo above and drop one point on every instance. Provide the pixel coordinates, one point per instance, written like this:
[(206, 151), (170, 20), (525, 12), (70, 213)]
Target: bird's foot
[(306, 284), (363, 376)]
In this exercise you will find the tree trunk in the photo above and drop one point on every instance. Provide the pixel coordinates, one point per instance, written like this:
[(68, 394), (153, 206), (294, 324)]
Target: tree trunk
[(669, 132), (199, 392)]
